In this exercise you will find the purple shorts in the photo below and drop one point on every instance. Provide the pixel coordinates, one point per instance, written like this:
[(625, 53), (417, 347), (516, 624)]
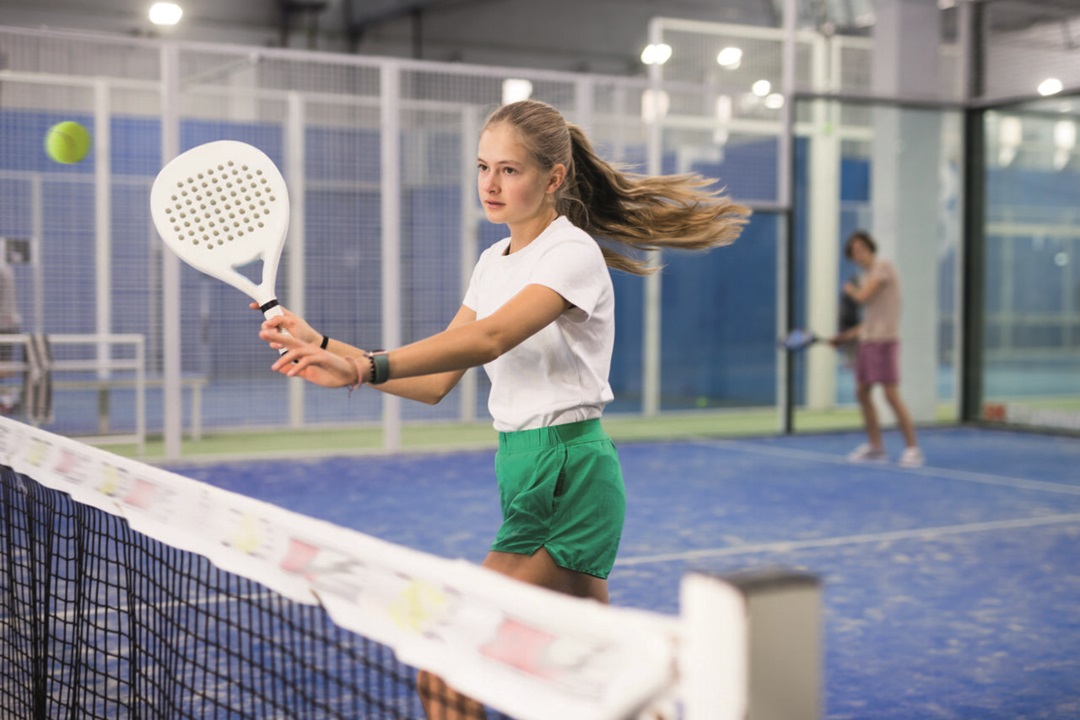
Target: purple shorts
[(878, 362)]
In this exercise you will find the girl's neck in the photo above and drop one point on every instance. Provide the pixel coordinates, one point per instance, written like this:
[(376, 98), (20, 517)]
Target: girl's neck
[(521, 235)]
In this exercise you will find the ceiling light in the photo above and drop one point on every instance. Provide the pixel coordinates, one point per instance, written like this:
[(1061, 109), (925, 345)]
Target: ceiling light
[(1064, 142), (1064, 134), (761, 88), (654, 105), (165, 13), (774, 101), (1011, 130), (514, 89), (1010, 137), (1050, 86), (723, 108), (729, 57), (656, 54)]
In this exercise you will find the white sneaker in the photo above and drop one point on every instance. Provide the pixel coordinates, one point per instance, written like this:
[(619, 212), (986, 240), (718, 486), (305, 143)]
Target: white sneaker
[(866, 454), (912, 457)]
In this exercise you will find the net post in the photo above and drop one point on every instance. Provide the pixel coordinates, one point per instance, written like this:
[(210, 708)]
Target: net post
[(752, 646)]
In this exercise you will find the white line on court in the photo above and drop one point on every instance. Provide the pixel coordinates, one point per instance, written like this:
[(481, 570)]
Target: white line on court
[(927, 471), (789, 545)]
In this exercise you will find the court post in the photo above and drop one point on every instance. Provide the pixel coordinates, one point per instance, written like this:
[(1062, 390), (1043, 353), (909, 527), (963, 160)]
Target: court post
[(753, 646)]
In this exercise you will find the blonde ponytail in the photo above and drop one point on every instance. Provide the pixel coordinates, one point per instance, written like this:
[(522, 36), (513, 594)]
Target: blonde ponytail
[(640, 213)]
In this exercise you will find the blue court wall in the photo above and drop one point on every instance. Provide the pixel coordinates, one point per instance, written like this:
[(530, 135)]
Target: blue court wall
[(714, 342), (718, 308)]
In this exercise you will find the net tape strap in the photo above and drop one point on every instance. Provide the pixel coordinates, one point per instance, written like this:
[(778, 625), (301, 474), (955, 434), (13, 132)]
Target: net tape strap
[(458, 620)]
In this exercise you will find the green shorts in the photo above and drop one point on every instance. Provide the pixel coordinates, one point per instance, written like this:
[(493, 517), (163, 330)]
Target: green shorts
[(561, 489)]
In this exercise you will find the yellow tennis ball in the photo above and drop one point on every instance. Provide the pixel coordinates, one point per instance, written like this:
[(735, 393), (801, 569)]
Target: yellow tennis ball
[(67, 142)]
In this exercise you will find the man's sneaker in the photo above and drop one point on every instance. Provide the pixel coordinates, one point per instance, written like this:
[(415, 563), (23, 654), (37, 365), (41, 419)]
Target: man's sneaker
[(866, 454), (912, 457)]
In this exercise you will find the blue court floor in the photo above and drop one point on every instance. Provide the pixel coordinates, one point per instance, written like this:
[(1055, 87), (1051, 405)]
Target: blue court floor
[(950, 591)]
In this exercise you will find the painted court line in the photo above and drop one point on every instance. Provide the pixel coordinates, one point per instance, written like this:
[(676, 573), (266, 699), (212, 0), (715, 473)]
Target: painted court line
[(927, 471), (914, 534)]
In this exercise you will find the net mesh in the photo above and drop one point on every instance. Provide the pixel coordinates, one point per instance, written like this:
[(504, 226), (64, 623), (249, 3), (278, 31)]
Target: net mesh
[(129, 592), (94, 628)]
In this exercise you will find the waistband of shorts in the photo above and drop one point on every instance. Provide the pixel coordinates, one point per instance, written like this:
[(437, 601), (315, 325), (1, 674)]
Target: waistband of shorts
[(567, 434)]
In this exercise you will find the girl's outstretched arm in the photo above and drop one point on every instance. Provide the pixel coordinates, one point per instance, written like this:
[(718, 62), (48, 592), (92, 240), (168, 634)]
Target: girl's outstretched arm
[(428, 369)]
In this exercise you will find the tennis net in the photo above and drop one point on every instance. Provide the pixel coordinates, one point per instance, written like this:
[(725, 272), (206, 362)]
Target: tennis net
[(127, 591)]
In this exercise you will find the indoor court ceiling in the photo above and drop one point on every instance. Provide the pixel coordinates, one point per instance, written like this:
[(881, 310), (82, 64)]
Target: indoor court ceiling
[(510, 32)]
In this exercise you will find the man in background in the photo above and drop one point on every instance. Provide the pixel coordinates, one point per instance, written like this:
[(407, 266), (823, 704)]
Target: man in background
[(877, 360)]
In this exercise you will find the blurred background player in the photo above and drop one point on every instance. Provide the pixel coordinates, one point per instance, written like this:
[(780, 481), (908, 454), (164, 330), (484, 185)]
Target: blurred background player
[(877, 359)]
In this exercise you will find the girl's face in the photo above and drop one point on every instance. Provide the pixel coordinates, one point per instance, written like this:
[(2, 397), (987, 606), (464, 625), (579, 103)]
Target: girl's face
[(513, 188)]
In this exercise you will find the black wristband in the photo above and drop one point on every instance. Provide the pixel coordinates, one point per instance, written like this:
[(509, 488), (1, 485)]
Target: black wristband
[(325, 342)]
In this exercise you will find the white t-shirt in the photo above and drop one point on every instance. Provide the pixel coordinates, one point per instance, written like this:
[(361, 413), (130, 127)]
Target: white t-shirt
[(560, 374)]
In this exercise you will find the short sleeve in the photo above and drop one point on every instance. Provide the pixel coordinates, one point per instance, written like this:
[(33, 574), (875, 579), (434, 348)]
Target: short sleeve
[(882, 271), (574, 269)]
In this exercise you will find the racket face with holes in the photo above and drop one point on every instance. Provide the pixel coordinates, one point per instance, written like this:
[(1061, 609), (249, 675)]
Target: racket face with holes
[(221, 206)]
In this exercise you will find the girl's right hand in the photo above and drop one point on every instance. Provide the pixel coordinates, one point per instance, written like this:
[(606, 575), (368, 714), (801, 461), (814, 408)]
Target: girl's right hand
[(294, 325)]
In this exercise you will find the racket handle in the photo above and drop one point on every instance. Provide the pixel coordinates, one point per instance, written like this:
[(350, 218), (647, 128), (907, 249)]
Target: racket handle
[(272, 309)]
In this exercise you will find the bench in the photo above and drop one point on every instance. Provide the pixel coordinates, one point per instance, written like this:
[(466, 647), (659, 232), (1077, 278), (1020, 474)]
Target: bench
[(193, 383), (104, 372)]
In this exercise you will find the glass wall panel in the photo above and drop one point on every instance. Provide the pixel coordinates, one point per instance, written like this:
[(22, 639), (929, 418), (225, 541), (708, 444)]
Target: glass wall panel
[(1031, 304), (849, 176)]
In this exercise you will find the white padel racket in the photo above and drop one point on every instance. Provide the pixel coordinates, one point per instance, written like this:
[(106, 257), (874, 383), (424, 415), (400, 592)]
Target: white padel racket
[(221, 206)]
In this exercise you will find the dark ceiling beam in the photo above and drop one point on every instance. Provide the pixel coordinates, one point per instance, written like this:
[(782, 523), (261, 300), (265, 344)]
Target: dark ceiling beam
[(290, 10), (773, 11), (356, 26)]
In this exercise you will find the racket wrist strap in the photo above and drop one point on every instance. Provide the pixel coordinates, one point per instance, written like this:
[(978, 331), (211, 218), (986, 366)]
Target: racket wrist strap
[(380, 367), (325, 342)]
